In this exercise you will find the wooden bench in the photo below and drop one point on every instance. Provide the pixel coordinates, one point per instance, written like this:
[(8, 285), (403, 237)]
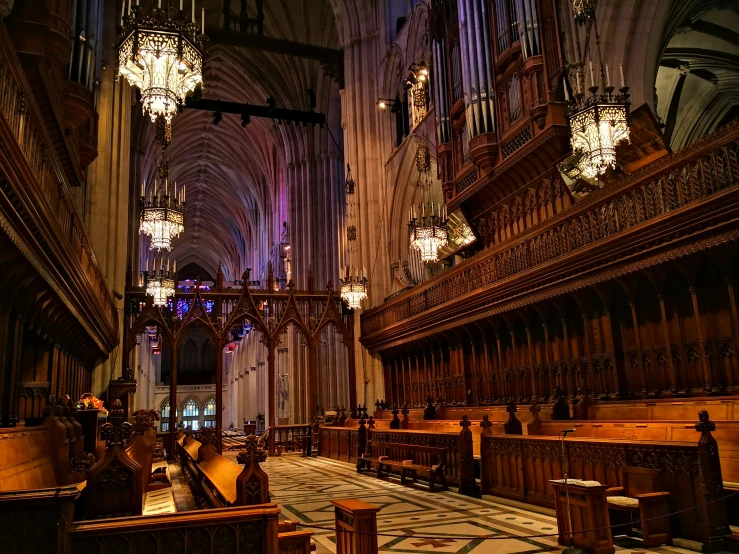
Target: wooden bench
[(409, 460), (641, 495)]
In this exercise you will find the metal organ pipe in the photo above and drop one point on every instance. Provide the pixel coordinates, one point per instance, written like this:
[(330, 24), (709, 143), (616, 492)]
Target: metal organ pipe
[(473, 54), (484, 90), (465, 59), (487, 45)]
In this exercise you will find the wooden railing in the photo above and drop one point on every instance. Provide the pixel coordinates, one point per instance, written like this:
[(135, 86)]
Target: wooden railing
[(341, 444), (520, 468), (668, 185), (239, 530), (48, 187)]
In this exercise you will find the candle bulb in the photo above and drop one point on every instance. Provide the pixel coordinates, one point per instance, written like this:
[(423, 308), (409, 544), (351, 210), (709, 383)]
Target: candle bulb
[(181, 4), (129, 7), (147, 265), (621, 70), (567, 94), (202, 21), (174, 267), (592, 80), (143, 185), (608, 77), (159, 4), (193, 11), (123, 11)]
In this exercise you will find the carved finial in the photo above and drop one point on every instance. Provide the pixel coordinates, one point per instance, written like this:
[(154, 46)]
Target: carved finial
[(207, 435), (371, 423), (252, 451), (116, 431), (486, 424), (511, 408), (534, 408), (395, 410), (144, 420), (704, 425), (465, 422), (405, 410)]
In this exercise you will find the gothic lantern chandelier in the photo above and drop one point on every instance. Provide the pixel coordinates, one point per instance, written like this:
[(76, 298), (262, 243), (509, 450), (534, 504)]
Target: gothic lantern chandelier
[(353, 286), (162, 56), (163, 211), (584, 10), (427, 224), (599, 121), (160, 282)]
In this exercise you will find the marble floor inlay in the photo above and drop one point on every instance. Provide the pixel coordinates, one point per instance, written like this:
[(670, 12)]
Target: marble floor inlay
[(420, 521)]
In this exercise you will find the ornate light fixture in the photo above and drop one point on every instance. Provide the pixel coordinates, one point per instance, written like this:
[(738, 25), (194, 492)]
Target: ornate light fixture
[(427, 225), (160, 282), (163, 212), (162, 56), (584, 10), (353, 286), (598, 121)]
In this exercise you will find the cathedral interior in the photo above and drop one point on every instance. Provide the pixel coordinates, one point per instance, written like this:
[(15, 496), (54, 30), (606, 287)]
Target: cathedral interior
[(362, 276)]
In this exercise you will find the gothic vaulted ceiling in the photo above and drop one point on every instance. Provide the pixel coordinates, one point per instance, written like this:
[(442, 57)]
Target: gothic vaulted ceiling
[(235, 178)]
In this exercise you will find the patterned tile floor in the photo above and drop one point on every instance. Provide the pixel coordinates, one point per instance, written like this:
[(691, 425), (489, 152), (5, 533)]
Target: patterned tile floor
[(422, 520)]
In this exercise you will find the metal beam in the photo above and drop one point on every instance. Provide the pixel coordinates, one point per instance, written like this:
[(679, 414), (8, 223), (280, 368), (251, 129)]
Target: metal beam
[(328, 56), (296, 116)]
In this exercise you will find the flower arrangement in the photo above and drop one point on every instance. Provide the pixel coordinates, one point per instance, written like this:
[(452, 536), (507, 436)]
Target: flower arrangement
[(91, 402), (260, 417)]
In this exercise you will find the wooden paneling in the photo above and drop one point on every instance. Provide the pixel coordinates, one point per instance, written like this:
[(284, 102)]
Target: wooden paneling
[(520, 468)]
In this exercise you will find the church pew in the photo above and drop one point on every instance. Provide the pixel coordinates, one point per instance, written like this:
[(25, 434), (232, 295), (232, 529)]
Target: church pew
[(38, 457), (521, 467), (726, 434), (223, 482), (340, 443), (252, 528)]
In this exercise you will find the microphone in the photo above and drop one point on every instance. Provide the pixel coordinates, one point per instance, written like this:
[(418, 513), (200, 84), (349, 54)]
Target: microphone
[(564, 432)]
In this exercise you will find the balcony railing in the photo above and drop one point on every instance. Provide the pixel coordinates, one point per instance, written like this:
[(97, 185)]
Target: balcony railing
[(695, 173), (49, 185)]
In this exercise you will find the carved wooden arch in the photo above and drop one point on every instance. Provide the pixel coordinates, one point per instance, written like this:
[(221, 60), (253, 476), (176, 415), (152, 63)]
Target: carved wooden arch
[(245, 308), (292, 315), (331, 316), (198, 314), (44, 303), (152, 315)]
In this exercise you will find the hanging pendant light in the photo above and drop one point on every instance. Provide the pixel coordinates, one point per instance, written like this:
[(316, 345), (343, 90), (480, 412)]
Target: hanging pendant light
[(427, 227), (599, 121), (162, 56), (163, 211), (160, 282), (353, 285)]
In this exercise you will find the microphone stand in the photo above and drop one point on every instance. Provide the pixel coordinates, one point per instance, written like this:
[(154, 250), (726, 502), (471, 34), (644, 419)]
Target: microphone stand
[(565, 468)]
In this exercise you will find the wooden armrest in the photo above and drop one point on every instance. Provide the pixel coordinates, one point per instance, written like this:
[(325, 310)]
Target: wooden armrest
[(615, 491), (649, 495)]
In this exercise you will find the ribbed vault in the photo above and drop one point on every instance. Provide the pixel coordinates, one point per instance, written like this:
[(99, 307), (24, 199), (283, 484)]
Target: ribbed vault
[(238, 186)]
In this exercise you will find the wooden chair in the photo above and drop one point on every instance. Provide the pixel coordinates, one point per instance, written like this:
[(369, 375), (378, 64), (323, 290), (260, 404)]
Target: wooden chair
[(642, 496)]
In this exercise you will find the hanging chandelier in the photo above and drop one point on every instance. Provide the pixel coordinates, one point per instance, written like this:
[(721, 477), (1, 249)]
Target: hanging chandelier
[(599, 121), (427, 222), (162, 56), (160, 282), (584, 10), (353, 288), (162, 212)]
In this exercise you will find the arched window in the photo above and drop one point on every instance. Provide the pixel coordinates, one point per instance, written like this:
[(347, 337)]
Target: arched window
[(191, 414), (164, 416), (210, 413)]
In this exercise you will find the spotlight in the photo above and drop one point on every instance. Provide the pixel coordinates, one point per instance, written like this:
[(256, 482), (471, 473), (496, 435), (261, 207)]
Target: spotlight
[(382, 105), (245, 119), (217, 118)]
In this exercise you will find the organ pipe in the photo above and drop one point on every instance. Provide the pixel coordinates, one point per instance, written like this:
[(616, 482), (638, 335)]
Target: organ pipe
[(476, 66)]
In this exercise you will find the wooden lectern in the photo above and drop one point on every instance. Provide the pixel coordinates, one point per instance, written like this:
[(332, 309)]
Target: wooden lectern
[(356, 527), (588, 513)]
